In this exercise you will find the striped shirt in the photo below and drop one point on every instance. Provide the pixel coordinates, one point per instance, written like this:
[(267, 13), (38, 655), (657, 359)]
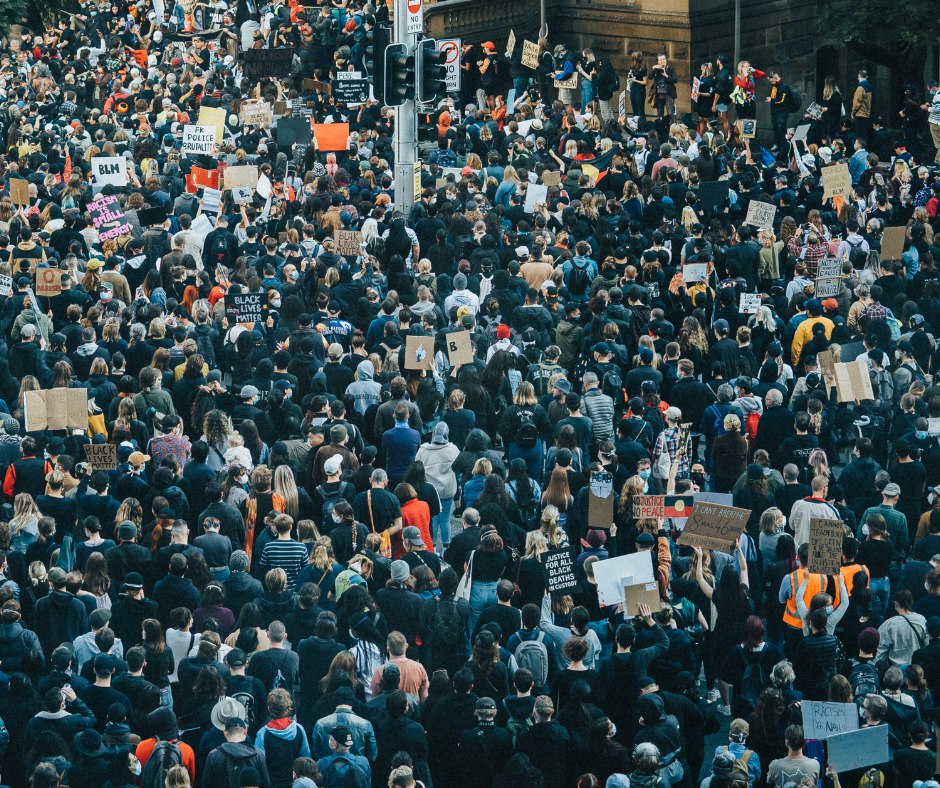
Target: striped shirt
[(287, 554)]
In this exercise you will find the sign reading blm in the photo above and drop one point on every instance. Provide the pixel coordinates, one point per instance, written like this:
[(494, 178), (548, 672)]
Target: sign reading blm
[(246, 307)]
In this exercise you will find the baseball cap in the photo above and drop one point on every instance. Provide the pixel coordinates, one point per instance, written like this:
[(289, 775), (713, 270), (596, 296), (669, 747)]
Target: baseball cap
[(333, 464), (98, 618), (236, 657), (56, 575), (646, 355), (485, 704), (892, 490), (342, 736), (138, 458), (235, 722), (721, 323), (412, 534), (336, 350)]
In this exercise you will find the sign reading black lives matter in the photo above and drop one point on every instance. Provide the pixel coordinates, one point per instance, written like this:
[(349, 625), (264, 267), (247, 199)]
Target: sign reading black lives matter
[(246, 307), (268, 63), (560, 568)]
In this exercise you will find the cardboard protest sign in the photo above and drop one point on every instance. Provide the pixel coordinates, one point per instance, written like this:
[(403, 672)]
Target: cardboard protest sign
[(48, 281), (419, 352), (199, 139), (108, 218), (19, 191), (109, 169), (511, 43), (640, 594), (825, 546), (560, 570), (613, 574), (101, 456), (256, 113), (801, 132), (348, 243), (826, 364), (533, 194), (713, 194), (750, 304), (315, 85), (351, 92), (647, 506), (622, 104), (828, 287), (830, 267), (601, 500), (293, 130), (551, 178), (852, 381), (280, 109), (892, 242), (855, 749), (56, 409), (246, 175), (822, 720), (695, 272), (331, 136), (6, 285), (148, 217), (571, 82), (836, 181), (530, 54), (815, 111), (213, 116), (714, 527), (274, 63), (760, 214), (241, 194), (459, 348), (246, 307)]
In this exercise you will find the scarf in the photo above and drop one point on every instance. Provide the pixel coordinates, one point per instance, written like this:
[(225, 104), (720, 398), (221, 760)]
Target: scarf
[(251, 516)]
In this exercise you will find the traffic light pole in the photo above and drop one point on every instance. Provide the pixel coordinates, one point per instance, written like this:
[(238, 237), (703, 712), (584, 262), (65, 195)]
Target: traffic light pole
[(406, 126)]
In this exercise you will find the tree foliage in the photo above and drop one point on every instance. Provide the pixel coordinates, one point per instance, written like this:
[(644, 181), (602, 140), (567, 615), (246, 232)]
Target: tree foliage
[(13, 12)]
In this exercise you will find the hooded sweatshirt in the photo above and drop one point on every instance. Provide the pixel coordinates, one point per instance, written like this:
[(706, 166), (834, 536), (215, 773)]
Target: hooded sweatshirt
[(15, 643), (365, 391), (282, 741)]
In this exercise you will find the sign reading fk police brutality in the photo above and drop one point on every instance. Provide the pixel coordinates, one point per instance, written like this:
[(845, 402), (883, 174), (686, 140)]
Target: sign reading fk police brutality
[(199, 139), (109, 169), (246, 307)]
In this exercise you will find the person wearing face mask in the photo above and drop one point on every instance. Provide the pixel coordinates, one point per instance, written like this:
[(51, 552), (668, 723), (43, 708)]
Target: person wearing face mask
[(86, 353), (330, 493), (924, 524)]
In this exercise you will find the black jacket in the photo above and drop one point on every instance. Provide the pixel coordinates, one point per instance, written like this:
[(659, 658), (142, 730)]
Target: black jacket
[(60, 617), (406, 735), (215, 772)]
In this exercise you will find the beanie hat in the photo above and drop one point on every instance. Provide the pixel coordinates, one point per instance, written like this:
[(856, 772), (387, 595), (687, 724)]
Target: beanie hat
[(239, 561)]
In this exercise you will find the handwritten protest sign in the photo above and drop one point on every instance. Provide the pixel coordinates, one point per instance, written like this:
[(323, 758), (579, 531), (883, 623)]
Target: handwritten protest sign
[(108, 218), (647, 506), (613, 574), (601, 500), (760, 214), (855, 749), (348, 243), (256, 113), (419, 352), (714, 527), (836, 181), (6, 285), (246, 307), (48, 282), (459, 348), (571, 82), (101, 456), (551, 178), (530, 54), (852, 381), (19, 191), (831, 266), (560, 570), (750, 304), (822, 720), (815, 111), (56, 409), (109, 169), (825, 546), (199, 139), (695, 272), (246, 175), (828, 287)]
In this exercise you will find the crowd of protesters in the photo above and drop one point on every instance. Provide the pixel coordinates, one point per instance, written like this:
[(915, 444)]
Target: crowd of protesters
[(318, 559)]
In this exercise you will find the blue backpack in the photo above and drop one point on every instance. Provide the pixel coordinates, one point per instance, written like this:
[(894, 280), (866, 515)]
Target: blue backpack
[(718, 428)]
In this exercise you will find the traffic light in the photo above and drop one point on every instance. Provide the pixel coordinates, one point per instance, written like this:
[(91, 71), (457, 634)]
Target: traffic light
[(399, 75), (432, 72), (427, 129), (376, 41)]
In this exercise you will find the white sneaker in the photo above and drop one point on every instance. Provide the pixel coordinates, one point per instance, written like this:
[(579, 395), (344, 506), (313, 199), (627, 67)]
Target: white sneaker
[(724, 711), (713, 695)]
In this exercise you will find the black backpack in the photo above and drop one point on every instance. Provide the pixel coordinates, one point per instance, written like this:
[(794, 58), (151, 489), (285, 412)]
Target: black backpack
[(857, 256), (578, 280), (331, 499), (219, 253), (205, 348), (795, 101), (447, 630), (612, 386), (528, 433), (864, 679), (248, 701), (164, 756), (753, 683), (234, 766)]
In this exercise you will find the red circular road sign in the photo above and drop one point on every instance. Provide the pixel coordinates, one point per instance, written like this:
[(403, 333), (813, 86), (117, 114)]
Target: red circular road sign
[(450, 51), (414, 6)]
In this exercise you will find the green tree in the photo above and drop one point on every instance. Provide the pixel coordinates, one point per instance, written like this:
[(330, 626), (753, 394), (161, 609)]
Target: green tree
[(13, 12), (889, 34)]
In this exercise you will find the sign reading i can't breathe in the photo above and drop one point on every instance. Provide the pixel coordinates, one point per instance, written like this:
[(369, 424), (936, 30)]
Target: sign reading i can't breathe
[(246, 307), (560, 568), (714, 527)]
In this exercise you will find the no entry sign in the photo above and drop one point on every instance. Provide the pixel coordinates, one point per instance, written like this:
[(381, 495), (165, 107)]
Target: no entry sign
[(415, 16)]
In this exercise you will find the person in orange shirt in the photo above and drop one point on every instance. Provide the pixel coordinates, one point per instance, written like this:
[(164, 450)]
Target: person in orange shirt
[(162, 722)]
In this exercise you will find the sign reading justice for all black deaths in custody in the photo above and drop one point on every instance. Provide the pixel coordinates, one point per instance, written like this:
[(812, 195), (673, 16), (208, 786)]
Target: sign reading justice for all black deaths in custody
[(560, 568), (246, 307)]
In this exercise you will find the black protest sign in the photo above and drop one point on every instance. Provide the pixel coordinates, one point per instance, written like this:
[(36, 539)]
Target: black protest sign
[(101, 456), (151, 216), (351, 91), (108, 218), (560, 569), (246, 307), (291, 130), (712, 194), (274, 63)]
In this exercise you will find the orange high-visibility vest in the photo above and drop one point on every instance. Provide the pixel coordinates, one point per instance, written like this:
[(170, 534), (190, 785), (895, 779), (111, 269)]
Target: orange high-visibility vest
[(815, 585)]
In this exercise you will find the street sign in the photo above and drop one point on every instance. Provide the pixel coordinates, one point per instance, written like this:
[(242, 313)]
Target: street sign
[(415, 16), (451, 49)]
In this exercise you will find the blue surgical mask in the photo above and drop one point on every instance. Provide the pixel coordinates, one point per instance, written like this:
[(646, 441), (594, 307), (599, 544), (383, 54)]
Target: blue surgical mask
[(921, 435), (137, 768), (294, 275), (645, 474)]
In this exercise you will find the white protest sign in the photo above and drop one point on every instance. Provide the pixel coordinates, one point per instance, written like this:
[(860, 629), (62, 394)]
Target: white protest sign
[(212, 199), (241, 194), (533, 194), (202, 225), (109, 169), (822, 720), (199, 139), (694, 272), (750, 304), (853, 750), (760, 214), (6, 284), (614, 573)]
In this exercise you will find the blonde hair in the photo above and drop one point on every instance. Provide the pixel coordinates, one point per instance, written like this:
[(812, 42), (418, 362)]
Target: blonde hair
[(692, 574), (24, 508), (768, 520), (535, 544), (550, 527), (482, 467)]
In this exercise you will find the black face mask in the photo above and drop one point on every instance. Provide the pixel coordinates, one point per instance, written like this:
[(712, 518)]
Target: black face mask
[(699, 479)]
